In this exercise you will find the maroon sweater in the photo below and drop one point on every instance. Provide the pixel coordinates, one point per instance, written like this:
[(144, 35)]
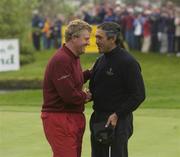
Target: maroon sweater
[(63, 83)]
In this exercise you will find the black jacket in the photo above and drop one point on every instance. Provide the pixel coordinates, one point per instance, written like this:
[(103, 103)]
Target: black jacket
[(116, 83)]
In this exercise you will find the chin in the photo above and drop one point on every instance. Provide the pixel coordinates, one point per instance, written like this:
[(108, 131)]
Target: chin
[(100, 51), (82, 52)]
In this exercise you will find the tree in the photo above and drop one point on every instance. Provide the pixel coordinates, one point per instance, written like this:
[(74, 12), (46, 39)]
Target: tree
[(54, 7), (14, 17)]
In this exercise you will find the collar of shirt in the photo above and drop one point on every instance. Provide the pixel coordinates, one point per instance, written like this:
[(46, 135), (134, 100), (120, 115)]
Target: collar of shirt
[(113, 51), (69, 52)]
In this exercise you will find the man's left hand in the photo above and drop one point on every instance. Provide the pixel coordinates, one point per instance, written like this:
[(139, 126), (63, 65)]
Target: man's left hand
[(112, 120)]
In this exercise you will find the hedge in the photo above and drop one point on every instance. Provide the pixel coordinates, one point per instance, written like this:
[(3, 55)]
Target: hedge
[(20, 84)]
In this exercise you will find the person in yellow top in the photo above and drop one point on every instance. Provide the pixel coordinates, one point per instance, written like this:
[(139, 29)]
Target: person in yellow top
[(46, 31)]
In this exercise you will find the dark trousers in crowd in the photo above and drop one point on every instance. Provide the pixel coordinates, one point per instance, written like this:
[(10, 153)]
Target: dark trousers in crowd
[(171, 42), (137, 42), (123, 131), (154, 43), (129, 37), (177, 44), (47, 42), (57, 42), (36, 40)]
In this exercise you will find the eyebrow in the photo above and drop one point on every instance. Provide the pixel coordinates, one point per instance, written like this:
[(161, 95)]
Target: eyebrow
[(98, 36), (111, 31)]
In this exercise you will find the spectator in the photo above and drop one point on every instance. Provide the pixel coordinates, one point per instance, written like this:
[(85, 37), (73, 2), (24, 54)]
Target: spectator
[(177, 32), (46, 31), (162, 32), (154, 17), (146, 33), (110, 16), (171, 32), (37, 24), (137, 24), (99, 14), (57, 31), (129, 35)]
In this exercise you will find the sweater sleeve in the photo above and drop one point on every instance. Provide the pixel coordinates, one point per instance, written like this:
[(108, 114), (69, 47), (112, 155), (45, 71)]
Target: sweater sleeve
[(135, 91), (65, 85), (87, 75)]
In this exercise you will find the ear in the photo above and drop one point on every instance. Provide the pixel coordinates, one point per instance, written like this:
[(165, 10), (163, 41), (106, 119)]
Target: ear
[(113, 39), (74, 38)]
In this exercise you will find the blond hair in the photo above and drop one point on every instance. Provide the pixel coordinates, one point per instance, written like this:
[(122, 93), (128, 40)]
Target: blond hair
[(75, 27)]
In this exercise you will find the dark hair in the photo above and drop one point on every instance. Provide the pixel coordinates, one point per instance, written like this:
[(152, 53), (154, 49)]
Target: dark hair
[(112, 29)]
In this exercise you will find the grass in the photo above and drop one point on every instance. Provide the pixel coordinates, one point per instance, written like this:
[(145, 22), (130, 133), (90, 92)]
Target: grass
[(156, 133), (157, 122), (21, 98), (34, 98), (161, 77)]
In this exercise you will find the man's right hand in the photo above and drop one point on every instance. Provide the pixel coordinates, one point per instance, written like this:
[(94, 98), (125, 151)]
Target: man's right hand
[(88, 95)]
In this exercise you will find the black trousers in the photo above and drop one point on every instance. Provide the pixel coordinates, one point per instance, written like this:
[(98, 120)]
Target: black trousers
[(123, 131), (177, 39), (36, 40), (154, 43)]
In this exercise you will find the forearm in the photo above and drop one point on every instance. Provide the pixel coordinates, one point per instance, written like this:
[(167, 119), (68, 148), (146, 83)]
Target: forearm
[(130, 104), (87, 75)]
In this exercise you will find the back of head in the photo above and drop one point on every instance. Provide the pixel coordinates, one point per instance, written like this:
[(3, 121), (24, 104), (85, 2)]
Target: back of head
[(75, 27), (112, 29)]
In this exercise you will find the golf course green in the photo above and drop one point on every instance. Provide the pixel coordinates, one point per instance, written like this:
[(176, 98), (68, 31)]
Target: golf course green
[(156, 122)]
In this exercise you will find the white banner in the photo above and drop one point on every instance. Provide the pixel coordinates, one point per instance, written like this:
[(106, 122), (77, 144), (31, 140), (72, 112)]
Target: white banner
[(9, 55)]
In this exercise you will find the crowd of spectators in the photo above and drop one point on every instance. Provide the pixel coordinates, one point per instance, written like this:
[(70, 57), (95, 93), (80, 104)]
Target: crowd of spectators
[(46, 32), (145, 28)]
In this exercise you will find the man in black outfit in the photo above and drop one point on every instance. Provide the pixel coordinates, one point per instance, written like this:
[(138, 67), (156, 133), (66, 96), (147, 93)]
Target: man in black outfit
[(117, 90)]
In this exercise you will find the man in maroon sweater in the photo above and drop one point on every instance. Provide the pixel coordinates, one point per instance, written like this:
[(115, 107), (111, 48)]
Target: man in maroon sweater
[(64, 98)]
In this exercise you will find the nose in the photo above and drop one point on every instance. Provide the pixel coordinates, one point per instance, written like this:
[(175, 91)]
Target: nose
[(88, 42), (97, 41)]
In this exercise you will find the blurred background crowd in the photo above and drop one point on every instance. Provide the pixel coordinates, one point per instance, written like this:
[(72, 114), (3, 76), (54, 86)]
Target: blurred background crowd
[(146, 27)]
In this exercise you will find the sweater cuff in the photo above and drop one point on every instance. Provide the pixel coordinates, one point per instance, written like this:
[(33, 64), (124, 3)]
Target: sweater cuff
[(87, 75)]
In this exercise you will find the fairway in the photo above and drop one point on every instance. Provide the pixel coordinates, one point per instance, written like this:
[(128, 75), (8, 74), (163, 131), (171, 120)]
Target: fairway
[(157, 121), (156, 133)]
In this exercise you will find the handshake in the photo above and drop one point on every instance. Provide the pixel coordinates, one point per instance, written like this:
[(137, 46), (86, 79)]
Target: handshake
[(88, 95)]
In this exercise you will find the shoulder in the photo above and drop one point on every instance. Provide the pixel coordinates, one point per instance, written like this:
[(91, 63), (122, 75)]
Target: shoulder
[(99, 59), (60, 58), (128, 60), (127, 57)]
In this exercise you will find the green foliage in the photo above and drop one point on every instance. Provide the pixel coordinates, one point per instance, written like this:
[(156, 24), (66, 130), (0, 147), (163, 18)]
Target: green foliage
[(177, 2), (20, 84), (26, 55), (59, 7), (13, 18)]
